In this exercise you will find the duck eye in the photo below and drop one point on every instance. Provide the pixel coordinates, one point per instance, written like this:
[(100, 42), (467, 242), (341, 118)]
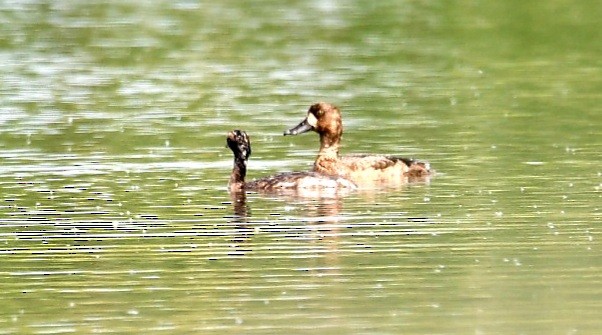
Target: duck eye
[(315, 109), (316, 112)]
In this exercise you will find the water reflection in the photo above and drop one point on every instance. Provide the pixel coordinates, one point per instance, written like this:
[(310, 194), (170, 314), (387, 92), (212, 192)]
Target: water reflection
[(327, 208), (239, 220), (315, 216)]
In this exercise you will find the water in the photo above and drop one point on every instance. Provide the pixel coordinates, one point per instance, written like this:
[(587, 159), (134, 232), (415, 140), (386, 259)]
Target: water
[(114, 211)]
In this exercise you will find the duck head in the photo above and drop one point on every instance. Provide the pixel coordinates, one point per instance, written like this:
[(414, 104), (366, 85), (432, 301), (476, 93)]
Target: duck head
[(323, 118), (238, 141)]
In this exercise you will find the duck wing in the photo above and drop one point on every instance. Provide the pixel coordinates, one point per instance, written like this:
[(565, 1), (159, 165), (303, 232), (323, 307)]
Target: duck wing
[(378, 162)]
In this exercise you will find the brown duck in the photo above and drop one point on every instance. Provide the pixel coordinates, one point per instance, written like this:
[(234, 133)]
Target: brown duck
[(325, 119)]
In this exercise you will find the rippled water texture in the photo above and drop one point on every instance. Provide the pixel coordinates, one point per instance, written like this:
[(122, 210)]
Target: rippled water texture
[(114, 211)]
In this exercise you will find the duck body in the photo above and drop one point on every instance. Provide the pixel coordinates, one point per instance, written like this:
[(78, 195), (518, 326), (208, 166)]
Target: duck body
[(297, 181), (374, 169), (325, 119), (238, 141)]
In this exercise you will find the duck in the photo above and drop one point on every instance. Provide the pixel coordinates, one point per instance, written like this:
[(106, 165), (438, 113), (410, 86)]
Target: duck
[(239, 142), (364, 169)]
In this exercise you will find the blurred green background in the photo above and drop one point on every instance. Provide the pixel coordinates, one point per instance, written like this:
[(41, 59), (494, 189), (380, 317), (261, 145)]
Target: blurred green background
[(114, 212)]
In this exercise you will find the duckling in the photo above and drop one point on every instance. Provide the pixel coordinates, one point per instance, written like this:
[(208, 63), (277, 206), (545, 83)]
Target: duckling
[(325, 119), (238, 141)]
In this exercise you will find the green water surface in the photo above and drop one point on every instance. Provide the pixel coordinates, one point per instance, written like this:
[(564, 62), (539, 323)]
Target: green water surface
[(114, 211)]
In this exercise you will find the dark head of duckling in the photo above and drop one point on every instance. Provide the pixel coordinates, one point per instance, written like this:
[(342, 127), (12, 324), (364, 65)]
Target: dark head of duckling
[(238, 141)]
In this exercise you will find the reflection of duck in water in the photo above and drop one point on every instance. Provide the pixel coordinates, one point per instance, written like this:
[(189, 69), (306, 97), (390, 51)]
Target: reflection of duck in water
[(238, 141), (325, 119)]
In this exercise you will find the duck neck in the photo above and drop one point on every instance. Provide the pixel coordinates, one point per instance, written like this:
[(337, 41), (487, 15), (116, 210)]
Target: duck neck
[(328, 155), (239, 172), (329, 147)]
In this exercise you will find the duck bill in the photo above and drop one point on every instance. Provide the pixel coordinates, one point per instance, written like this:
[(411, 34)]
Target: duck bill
[(301, 128)]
